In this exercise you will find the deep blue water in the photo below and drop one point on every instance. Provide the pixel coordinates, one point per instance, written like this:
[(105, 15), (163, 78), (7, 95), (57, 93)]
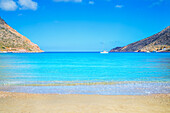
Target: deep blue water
[(59, 68)]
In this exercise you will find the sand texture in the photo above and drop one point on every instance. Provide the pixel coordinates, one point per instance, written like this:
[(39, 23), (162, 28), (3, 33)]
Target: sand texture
[(54, 103)]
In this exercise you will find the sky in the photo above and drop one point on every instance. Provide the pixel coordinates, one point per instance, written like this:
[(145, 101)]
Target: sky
[(85, 25)]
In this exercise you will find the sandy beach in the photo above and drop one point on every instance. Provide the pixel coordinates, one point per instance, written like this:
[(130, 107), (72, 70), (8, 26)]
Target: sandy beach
[(54, 103)]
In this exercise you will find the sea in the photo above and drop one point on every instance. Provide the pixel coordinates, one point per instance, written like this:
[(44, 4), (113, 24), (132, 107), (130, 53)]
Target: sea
[(85, 73)]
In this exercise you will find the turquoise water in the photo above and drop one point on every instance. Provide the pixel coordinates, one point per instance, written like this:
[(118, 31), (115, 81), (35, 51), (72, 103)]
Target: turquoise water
[(61, 69)]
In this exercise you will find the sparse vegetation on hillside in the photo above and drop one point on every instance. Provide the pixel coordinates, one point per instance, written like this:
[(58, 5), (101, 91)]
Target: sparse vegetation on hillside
[(12, 41), (157, 42)]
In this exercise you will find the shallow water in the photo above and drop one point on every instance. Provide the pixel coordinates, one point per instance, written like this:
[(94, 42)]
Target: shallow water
[(67, 71), (117, 89)]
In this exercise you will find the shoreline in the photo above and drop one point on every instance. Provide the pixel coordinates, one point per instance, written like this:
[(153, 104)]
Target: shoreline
[(71, 103), (125, 88), (76, 83)]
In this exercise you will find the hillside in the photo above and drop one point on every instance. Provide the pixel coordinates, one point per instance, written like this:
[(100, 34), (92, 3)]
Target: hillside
[(12, 41), (159, 42)]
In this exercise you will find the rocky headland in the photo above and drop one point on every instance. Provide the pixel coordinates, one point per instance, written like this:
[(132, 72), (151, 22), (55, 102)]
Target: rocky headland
[(12, 41), (159, 42)]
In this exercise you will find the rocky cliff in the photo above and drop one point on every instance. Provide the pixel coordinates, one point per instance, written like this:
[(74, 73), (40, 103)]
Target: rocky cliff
[(12, 41), (159, 42)]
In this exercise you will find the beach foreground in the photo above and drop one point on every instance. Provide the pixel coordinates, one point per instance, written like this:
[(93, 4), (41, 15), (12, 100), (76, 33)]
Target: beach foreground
[(54, 103)]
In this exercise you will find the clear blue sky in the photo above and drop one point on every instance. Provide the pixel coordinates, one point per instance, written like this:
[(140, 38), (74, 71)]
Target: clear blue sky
[(85, 25)]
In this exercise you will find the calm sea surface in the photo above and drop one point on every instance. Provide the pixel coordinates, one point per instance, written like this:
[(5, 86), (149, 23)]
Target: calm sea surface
[(85, 73)]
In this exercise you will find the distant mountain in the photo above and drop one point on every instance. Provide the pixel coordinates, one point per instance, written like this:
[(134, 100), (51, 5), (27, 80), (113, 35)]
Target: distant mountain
[(12, 41), (159, 42)]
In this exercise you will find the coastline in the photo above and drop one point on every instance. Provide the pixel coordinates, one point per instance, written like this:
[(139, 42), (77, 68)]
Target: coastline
[(92, 88), (52, 103), (76, 83), (32, 83)]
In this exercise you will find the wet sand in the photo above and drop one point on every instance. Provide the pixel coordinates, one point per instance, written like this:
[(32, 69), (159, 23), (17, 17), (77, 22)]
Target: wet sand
[(54, 103)]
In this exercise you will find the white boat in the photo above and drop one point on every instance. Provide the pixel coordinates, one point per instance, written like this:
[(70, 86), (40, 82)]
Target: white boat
[(104, 52), (147, 51)]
